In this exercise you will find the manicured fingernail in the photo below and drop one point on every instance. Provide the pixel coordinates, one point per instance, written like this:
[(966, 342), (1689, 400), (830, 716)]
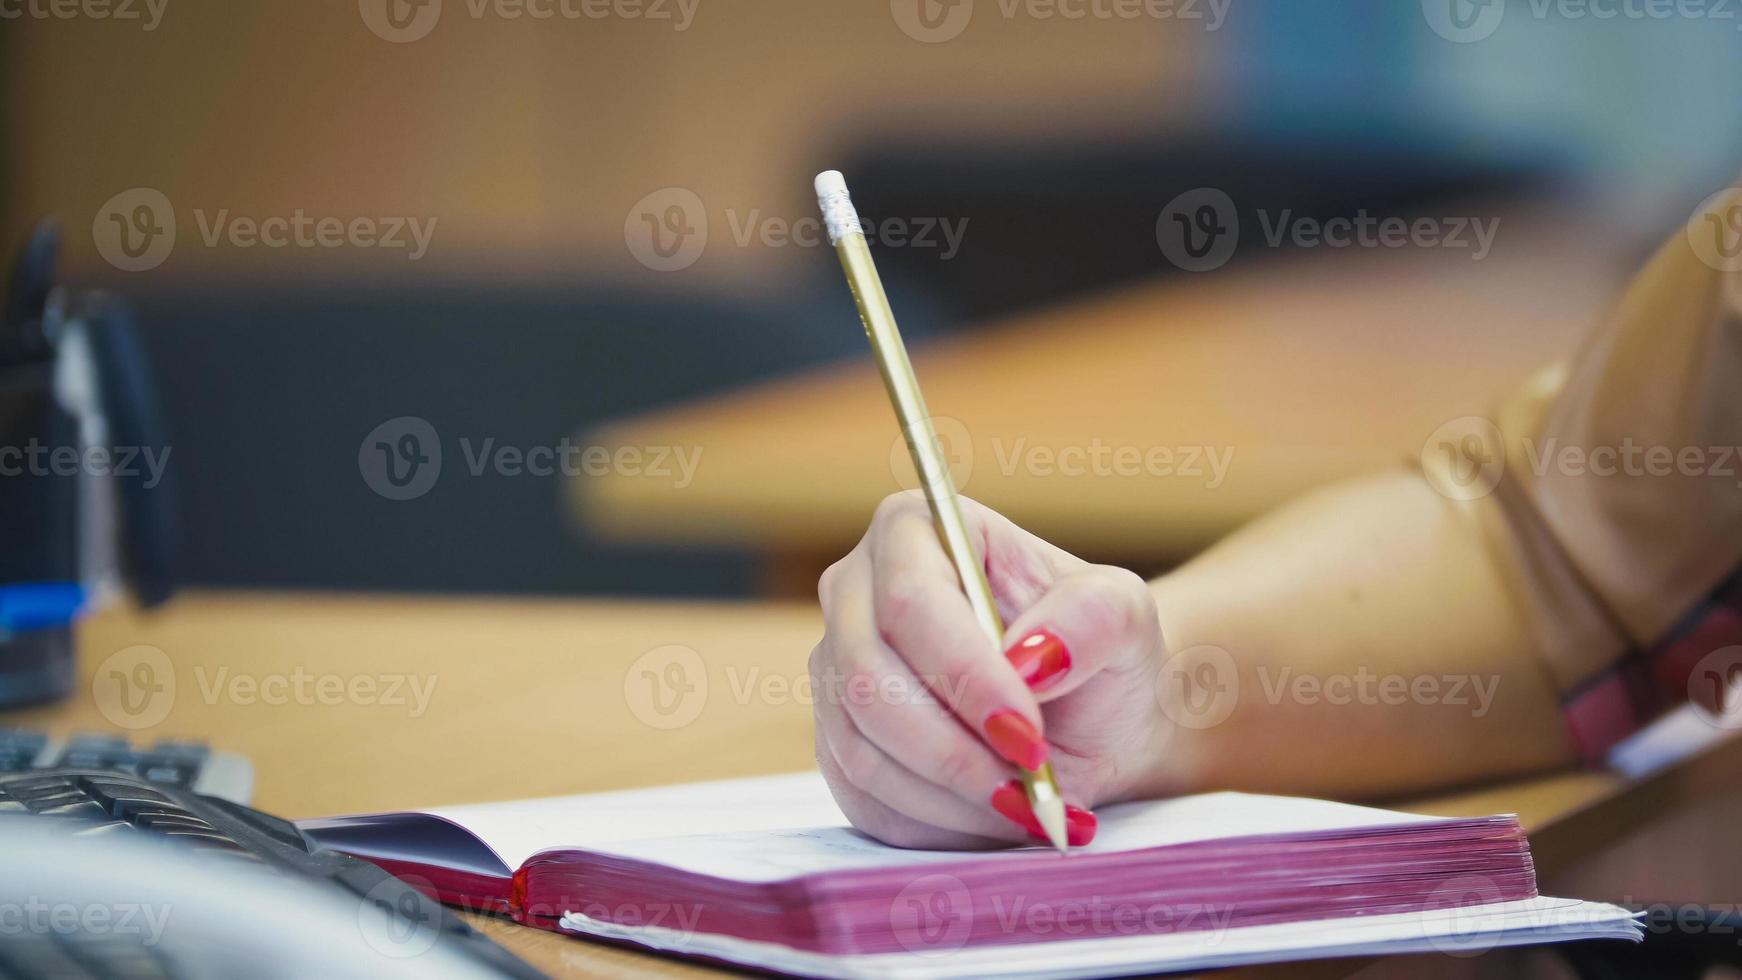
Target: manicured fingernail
[(1080, 825), (1011, 801), (1014, 738), (1039, 658)]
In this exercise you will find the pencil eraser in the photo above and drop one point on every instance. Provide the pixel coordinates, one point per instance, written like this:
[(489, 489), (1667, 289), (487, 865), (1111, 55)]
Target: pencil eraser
[(838, 212), (830, 182)]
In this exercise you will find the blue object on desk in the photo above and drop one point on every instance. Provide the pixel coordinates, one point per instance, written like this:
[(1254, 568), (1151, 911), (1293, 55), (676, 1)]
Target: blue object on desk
[(39, 606)]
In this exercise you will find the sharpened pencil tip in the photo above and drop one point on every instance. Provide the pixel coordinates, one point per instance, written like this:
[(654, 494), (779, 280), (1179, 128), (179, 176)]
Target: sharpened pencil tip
[(1050, 812)]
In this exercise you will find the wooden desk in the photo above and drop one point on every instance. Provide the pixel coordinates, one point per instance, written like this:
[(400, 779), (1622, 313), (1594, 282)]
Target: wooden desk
[(537, 698), (1296, 373)]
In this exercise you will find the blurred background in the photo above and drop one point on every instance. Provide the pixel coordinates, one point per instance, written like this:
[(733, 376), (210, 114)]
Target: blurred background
[(569, 248)]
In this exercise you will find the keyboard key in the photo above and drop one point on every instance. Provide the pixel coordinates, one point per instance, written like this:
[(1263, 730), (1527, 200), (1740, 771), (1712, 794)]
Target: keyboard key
[(83, 808)]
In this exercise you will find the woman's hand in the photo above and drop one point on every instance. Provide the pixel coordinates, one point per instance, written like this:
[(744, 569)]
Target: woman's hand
[(921, 721)]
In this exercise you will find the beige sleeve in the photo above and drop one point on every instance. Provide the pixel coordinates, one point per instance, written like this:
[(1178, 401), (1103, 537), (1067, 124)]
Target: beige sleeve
[(1616, 510)]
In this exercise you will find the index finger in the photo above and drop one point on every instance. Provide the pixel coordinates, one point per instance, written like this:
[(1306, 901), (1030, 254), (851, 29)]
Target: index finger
[(925, 617)]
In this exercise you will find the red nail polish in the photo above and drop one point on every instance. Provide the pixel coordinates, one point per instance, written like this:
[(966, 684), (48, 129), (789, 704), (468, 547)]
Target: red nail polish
[(1011, 800), (1016, 739), (1080, 825), (1039, 657)]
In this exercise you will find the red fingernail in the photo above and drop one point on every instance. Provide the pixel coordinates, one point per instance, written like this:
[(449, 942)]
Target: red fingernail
[(1039, 657), (1014, 738), (1080, 825), (1011, 800)]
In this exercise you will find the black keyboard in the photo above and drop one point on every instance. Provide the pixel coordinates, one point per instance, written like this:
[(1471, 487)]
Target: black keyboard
[(170, 762), (100, 802)]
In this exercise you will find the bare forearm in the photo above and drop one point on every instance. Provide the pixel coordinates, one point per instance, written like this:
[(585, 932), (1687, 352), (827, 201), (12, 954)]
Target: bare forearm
[(1359, 642)]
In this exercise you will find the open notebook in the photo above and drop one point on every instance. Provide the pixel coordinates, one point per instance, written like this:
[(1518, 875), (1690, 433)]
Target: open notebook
[(765, 872)]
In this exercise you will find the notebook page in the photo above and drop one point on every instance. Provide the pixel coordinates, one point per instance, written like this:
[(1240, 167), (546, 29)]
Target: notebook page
[(518, 829), (1463, 931), (762, 855), (771, 827)]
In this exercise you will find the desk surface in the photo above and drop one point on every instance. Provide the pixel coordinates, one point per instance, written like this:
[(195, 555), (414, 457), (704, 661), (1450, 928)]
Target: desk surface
[(1093, 424), (531, 698)]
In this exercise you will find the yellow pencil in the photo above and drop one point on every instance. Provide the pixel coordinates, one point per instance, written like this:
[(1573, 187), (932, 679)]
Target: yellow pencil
[(928, 459)]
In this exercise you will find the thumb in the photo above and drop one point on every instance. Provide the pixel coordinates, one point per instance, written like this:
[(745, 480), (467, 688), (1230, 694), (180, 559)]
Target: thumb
[(1091, 620)]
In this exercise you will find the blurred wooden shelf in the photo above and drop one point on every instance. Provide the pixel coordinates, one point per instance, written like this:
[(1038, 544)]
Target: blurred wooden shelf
[(1295, 373)]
